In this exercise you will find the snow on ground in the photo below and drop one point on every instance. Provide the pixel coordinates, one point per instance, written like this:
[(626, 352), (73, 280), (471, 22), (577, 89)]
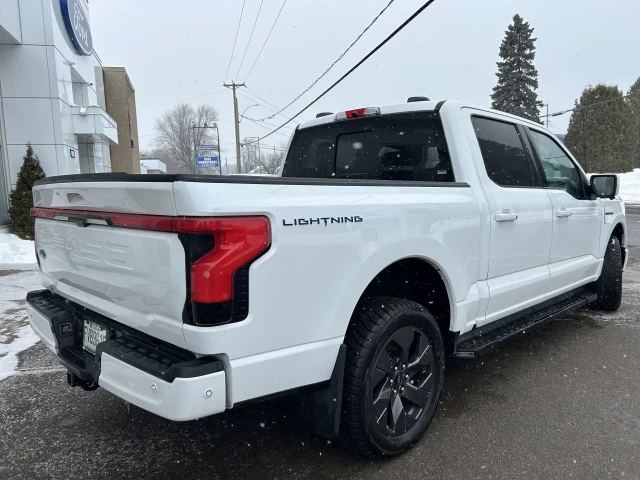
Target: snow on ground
[(630, 186), (15, 333), (15, 250)]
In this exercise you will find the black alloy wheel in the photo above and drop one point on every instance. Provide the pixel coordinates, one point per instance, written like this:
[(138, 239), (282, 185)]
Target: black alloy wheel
[(402, 381), (393, 377)]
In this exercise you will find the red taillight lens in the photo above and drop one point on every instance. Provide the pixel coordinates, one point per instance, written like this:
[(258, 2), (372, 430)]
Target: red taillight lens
[(236, 242)]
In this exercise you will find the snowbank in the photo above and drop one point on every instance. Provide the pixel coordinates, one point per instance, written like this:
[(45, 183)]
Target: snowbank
[(13, 250), (15, 333), (630, 186)]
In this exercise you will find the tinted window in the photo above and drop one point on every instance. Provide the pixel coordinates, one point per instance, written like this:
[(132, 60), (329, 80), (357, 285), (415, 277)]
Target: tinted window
[(559, 170), (503, 154), (396, 147)]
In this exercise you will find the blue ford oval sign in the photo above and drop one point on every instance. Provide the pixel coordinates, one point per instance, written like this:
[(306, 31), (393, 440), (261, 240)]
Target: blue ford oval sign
[(76, 20)]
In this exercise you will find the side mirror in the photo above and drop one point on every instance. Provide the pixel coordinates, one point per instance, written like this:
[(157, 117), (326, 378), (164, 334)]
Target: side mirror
[(604, 186)]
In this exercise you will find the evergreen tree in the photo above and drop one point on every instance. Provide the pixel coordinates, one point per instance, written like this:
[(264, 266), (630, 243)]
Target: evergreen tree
[(21, 197), (634, 100), (515, 92), (602, 132)]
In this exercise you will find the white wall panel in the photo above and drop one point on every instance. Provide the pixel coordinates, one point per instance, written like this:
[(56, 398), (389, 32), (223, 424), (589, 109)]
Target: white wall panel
[(10, 18), (66, 164), (31, 20), (24, 71), (60, 76), (28, 120)]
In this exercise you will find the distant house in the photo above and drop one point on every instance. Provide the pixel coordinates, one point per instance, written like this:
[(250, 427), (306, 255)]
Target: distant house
[(152, 165)]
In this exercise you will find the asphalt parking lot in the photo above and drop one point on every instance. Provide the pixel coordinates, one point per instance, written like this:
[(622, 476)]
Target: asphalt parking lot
[(562, 402)]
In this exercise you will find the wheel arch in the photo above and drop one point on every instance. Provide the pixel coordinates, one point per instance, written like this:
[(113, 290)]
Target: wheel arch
[(618, 231), (418, 279)]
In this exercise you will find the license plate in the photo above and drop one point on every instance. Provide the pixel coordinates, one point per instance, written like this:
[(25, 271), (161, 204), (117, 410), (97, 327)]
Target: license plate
[(93, 335)]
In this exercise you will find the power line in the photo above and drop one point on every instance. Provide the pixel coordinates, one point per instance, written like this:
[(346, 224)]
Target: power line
[(288, 116), (562, 112), (234, 42), (267, 123), (337, 60), (184, 99), (265, 42), (250, 37), (271, 104), (364, 59), (264, 126)]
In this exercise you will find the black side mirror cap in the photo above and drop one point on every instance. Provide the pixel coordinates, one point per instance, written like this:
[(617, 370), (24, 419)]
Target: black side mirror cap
[(604, 186)]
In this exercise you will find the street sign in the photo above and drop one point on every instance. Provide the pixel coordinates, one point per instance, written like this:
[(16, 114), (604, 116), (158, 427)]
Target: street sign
[(208, 162), (204, 148)]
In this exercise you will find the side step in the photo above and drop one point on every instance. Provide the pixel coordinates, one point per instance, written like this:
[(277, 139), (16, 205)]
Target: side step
[(485, 342)]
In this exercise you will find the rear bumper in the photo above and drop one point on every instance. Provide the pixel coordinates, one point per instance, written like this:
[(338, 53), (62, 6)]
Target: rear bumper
[(155, 376), (182, 399)]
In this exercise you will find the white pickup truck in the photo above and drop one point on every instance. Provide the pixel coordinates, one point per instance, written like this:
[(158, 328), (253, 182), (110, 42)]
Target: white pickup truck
[(395, 237)]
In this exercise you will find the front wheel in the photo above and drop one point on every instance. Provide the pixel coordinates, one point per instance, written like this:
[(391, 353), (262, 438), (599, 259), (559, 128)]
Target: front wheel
[(609, 285), (394, 375)]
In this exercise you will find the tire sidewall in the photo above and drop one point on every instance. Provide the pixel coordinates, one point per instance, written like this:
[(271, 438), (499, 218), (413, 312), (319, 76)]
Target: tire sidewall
[(420, 318), (609, 284)]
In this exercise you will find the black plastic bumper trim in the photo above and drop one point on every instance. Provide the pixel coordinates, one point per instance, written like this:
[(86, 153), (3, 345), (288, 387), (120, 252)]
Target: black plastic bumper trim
[(141, 351)]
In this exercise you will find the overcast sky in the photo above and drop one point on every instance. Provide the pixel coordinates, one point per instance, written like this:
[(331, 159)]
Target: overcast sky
[(177, 50)]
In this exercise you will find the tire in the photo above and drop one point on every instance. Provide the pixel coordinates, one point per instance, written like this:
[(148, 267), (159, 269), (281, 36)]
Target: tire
[(609, 285), (384, 333)]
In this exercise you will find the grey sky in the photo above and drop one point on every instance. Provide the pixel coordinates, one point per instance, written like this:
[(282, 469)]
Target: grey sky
[(174, 51)]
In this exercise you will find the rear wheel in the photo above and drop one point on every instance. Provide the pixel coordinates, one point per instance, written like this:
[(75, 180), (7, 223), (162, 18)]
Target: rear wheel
[(609, 285), (394, 375)]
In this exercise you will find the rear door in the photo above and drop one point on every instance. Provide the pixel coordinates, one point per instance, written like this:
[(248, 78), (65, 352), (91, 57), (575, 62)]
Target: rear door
[(520, 209), (577, 219)]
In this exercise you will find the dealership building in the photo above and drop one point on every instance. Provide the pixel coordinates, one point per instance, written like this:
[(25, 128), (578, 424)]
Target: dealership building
[(52, 95)]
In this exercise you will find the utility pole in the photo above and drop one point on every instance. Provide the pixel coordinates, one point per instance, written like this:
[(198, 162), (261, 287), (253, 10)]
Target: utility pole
[(236, 120), (547, 115)]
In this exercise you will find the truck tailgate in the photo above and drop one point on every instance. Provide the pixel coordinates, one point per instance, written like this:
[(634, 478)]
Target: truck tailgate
[(136, 277)]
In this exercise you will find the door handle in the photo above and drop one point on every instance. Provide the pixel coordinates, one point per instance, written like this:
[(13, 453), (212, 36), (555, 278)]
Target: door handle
[(563, 212), (608, 211), (506, 216)]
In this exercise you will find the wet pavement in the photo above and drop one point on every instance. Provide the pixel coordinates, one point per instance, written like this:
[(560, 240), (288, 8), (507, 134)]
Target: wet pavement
[(562, 402)]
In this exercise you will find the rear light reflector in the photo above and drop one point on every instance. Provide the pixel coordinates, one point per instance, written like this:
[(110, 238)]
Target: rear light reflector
[(236, 242), (357, 113)]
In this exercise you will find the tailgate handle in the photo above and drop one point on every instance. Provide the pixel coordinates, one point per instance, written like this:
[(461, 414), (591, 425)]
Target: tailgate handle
[(76, 199)]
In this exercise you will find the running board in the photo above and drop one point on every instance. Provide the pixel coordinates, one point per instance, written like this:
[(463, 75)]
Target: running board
[(483, 343)]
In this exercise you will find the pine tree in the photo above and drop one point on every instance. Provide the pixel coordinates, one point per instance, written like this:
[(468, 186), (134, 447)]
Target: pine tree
[(634, 100), (515, 92), (21, 197), (602, 132)]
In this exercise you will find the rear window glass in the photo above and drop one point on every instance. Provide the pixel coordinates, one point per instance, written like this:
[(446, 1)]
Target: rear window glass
[(503, 153), (395, 147)]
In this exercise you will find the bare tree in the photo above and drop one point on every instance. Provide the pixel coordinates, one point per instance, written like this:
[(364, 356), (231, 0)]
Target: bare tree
[(175, 133), (262, 160)]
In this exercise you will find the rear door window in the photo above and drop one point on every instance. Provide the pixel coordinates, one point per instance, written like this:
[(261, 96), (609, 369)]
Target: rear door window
[(503, 153), (408, 147)]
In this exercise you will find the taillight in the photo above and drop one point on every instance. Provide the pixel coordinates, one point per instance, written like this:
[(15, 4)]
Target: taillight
[(357, 113), (218, 253)]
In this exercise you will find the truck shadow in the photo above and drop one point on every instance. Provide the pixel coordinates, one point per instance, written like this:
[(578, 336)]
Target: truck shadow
[(268, 440), (111, 439)]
